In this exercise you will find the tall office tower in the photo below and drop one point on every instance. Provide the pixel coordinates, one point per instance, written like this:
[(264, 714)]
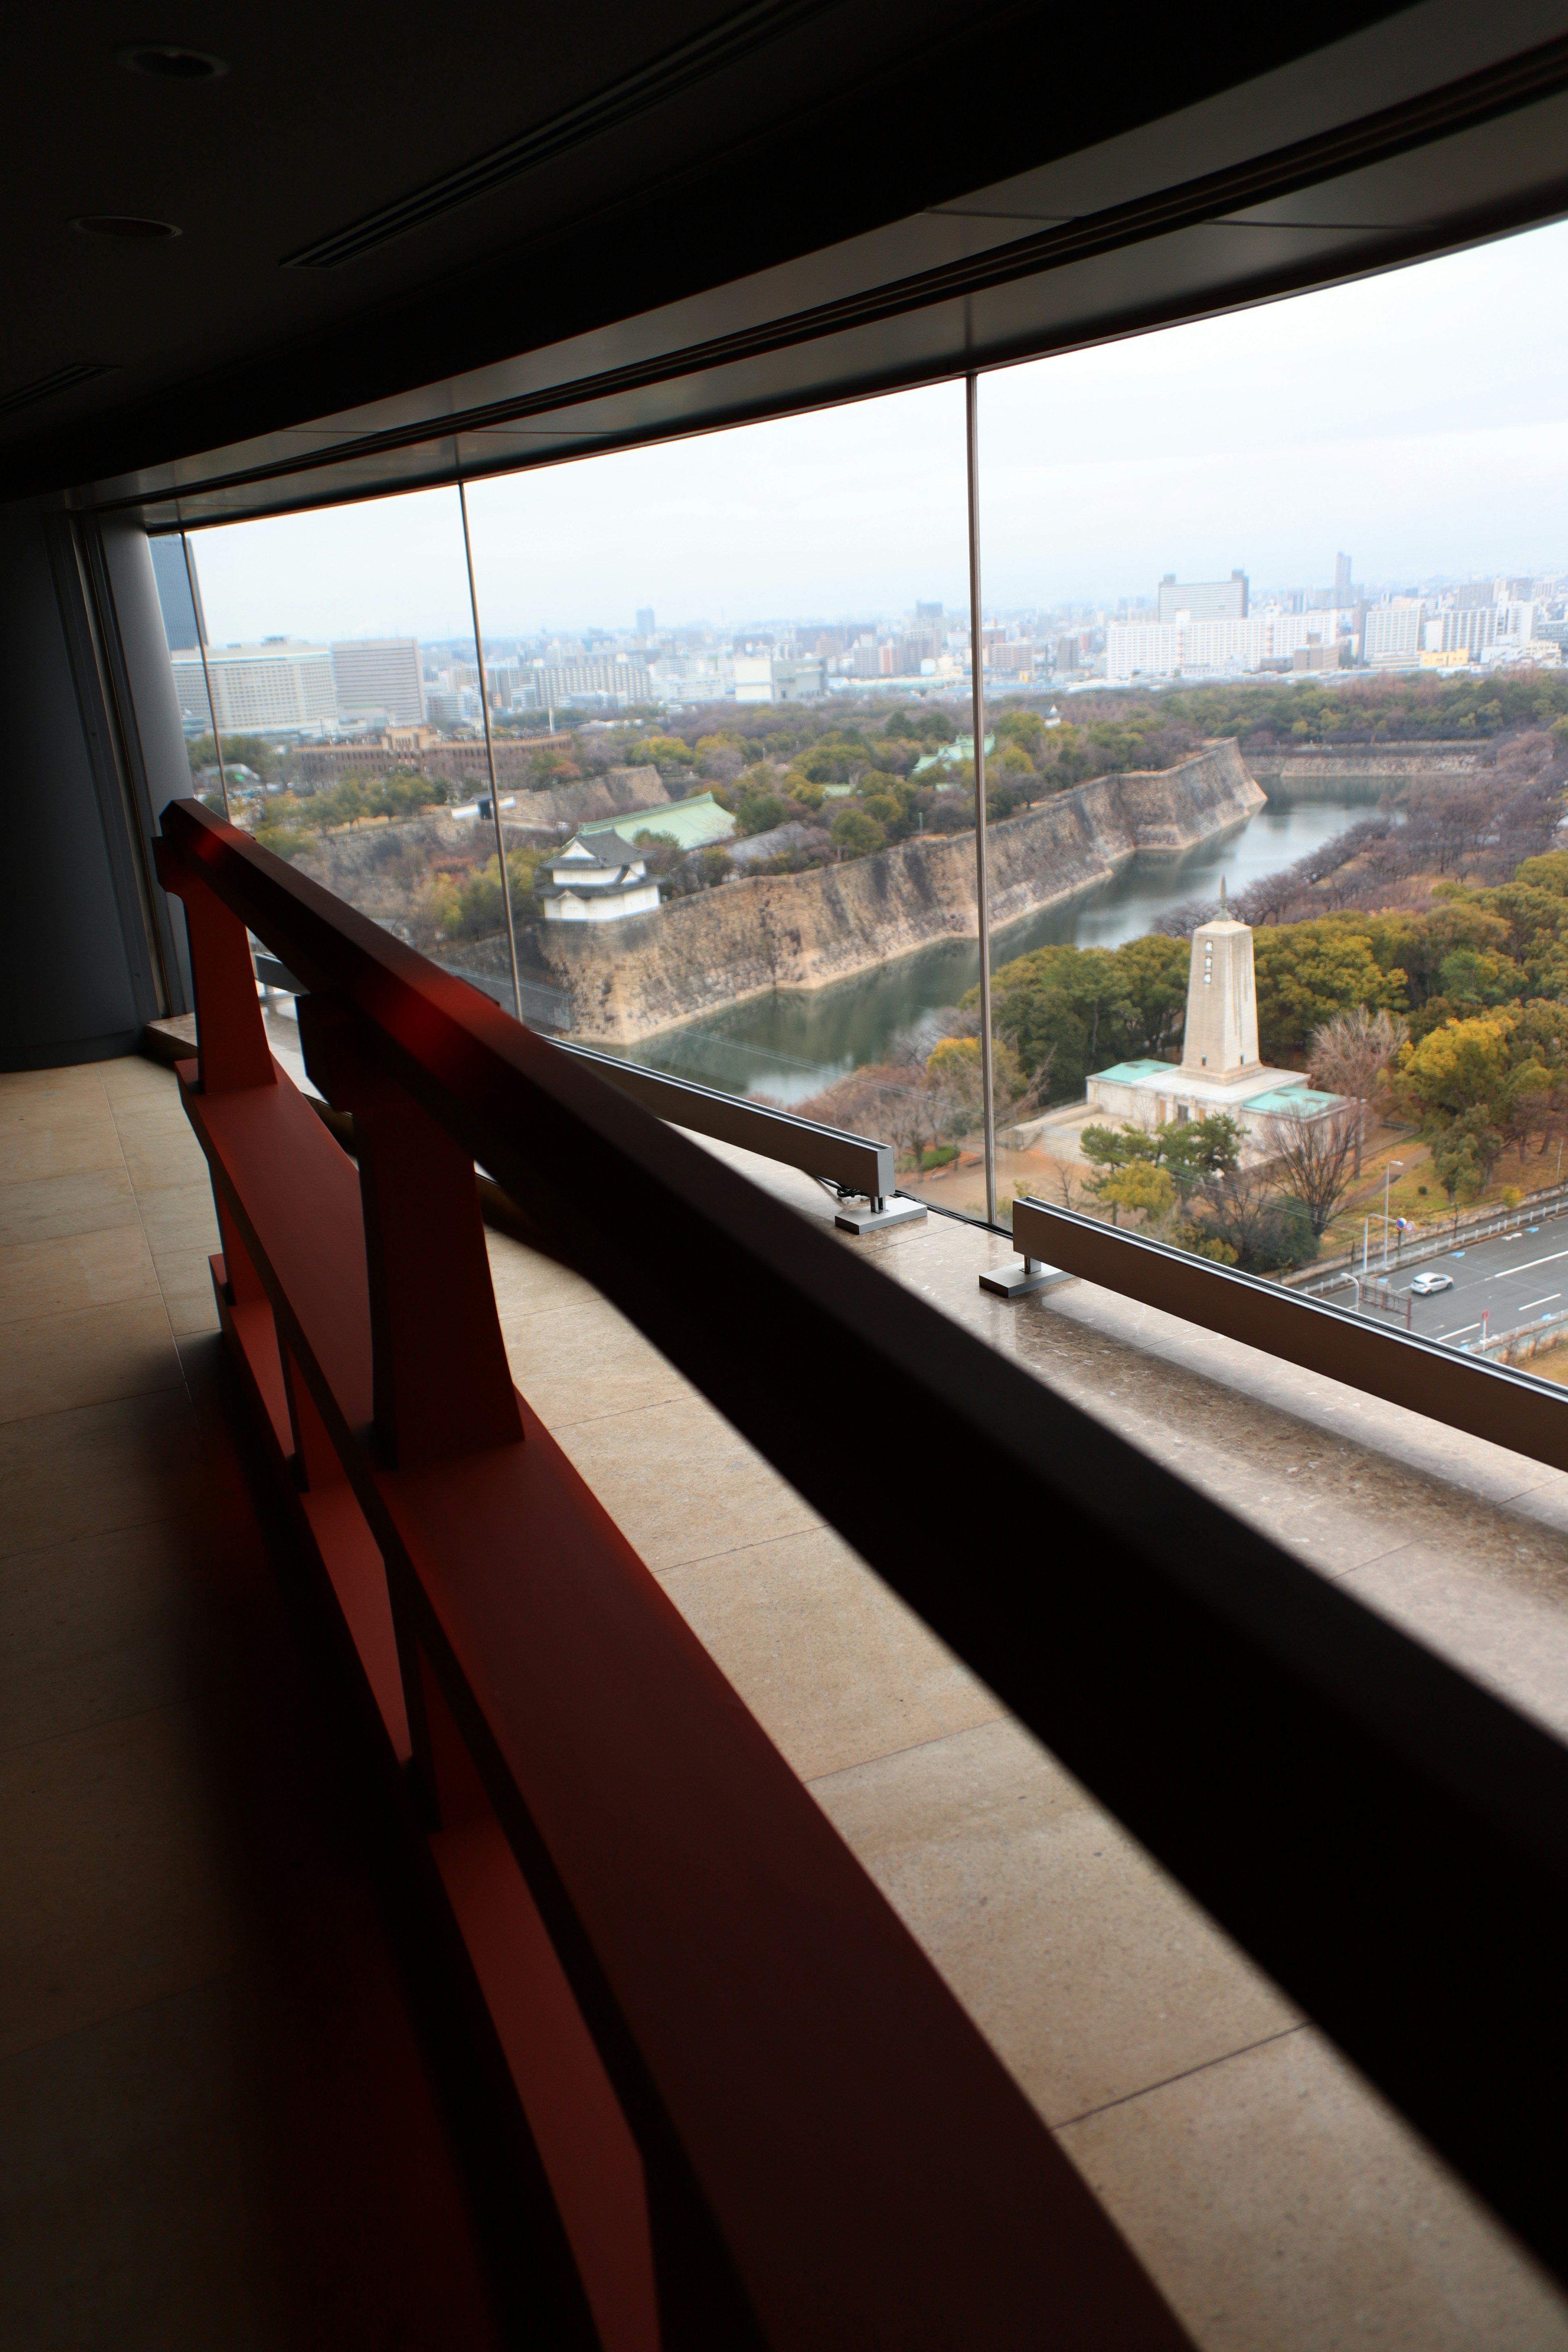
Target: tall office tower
[(184, 623), (1205, 600), (282, 682), (1342, 596), (380, 673), (928, 616), (644, 620)]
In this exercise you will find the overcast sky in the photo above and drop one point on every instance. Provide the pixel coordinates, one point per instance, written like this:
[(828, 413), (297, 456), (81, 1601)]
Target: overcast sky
[(1419, 420)]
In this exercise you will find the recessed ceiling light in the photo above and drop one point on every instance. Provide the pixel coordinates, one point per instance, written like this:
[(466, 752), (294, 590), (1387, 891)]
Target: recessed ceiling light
[(126, 226), (171, 61)]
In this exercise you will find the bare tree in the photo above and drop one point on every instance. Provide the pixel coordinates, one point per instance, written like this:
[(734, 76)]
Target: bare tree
[(1349, 1054), (1181, 923), (1312, 1158)]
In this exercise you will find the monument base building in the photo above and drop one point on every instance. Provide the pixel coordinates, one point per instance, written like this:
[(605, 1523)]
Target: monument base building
[(1219, 1069)]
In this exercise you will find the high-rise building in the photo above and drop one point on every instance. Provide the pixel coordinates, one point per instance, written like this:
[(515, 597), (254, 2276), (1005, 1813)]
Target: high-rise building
[(184, 623), (1343, 582), (281, 683), (1392, 639), (1204, 600), (380, 673), (644, 620), (590, 678), (928, 616)]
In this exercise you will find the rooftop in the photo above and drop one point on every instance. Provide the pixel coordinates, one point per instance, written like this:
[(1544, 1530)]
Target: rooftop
[(690, 823)]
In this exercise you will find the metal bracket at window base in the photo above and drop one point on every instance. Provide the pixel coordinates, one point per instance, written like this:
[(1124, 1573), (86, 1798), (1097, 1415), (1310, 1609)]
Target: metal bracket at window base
[(885, 1209), (1507, 1407), (1018, 1281)]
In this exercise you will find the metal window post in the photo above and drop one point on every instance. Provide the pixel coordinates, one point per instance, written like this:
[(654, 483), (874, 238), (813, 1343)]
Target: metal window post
[(206, 674), (490, 753), (976, 665)]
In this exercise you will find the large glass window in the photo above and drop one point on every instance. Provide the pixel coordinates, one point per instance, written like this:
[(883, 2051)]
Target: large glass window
[(752, 649), (1271, 638), (1297, 579)]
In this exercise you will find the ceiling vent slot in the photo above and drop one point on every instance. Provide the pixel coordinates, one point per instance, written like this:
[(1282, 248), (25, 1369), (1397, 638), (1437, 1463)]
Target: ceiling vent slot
[(64, 379), (728, 44)]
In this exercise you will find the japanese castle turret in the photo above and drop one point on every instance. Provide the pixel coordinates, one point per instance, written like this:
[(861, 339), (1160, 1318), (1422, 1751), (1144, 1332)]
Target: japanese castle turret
[(1219, 1068)]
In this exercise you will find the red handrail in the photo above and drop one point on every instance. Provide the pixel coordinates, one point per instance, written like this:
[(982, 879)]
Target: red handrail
[(761, 2116)]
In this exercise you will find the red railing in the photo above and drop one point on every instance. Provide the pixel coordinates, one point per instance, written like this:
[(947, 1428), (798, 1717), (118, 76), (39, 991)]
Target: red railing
[(762, 2116)]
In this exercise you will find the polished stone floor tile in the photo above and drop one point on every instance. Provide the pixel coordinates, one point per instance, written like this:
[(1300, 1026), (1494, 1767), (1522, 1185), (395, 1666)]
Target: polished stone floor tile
[(133, 2189), (527, 1283), (258, 2162), (80, 1082), (47, 1207), (102, 1267), (161, 1150), (54, 1363), (179, 1216), (680, 1483), (132, 1083), (583, 1361), (68, 1474), (1088, 1971), (1277, 2202), (40, 1140), (833, 1665), (115, 1883), (184, 1271), (116, 1625), (1499, 1611)]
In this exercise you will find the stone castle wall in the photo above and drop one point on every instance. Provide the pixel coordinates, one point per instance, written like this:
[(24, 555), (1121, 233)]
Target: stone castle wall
[(628, 980)]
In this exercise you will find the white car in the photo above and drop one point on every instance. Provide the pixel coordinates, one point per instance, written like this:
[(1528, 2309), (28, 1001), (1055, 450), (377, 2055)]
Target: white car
[(1426, 1284)]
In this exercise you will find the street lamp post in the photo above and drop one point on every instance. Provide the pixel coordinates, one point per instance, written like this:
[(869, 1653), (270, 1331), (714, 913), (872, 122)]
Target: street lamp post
[(1388, 1172)]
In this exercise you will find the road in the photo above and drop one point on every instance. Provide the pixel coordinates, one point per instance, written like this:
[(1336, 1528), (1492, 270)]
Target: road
[(1510, 1281)]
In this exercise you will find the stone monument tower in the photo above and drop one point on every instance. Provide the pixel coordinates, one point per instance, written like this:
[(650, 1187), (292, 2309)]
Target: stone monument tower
[(1219, 1069), (1221, 1040)]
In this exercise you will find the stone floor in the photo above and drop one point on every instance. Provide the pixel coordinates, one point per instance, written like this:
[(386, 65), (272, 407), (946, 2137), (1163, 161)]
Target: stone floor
[(1275, 2198), (219, 2124)]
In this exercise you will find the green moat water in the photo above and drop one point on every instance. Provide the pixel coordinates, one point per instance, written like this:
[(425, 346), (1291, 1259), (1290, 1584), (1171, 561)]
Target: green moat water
[(789, 1045)]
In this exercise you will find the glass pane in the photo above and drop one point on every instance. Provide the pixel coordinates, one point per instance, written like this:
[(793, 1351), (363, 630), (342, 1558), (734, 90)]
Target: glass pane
[(748, 824), (340, 659), (1284, 986)]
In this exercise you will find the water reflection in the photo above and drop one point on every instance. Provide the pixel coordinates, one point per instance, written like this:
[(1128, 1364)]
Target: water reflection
[(789, 1045)]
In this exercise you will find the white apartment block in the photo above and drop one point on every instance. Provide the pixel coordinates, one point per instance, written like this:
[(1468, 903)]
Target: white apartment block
[(765, 678), (1289, 632), (1469, 629), (1392, 636), (282, 682), (380, 673), (621, 678)]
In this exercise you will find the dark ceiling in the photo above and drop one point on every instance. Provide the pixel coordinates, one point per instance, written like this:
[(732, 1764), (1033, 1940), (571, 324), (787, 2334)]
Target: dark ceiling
[(513, 180)]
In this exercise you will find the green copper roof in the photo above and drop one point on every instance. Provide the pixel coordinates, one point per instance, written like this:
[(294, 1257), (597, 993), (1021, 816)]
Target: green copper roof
[(1289, 1098), (1126, 1074), (689, 824)]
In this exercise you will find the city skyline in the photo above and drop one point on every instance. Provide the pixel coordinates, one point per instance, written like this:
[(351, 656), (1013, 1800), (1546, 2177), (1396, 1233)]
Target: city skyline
[(1420, 417)]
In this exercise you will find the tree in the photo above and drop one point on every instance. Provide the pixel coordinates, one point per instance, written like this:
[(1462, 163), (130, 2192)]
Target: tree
[(1138, 1185), (1112, 1148), (1025, 729), (1457, 1068), (1197, 1151), (1155, 973), (855, 833), (1458, 1166), (1349, 1054), (1313, 1157), (1265, 1228), (1308, 971)]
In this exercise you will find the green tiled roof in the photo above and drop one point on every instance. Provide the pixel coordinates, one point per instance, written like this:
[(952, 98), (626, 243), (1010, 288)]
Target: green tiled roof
[(1126, 1074), (1287, 1098), (690, 824)]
